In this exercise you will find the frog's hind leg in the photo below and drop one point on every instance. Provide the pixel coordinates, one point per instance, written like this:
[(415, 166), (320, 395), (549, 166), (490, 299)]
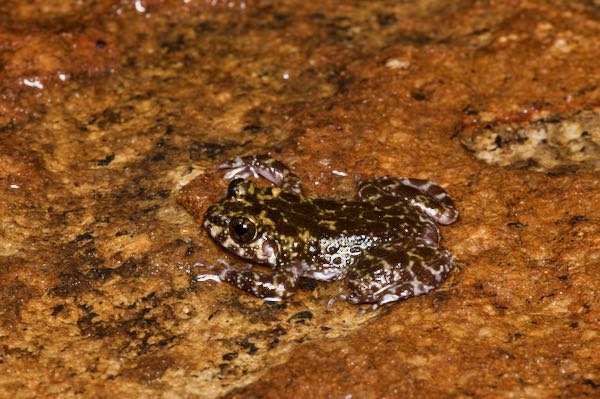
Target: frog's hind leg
[(263, 166), (423, 194), (396, 271)]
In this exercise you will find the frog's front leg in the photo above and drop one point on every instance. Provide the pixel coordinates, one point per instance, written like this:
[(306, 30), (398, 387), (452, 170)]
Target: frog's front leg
[(396, 271), (422, 194), (279, 285), (264, 166)]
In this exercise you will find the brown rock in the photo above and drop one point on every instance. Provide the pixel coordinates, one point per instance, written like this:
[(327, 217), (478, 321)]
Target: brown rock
[(130, 105)]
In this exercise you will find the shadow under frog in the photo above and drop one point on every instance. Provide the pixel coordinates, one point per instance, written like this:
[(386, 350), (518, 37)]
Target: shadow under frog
[(385, 244)]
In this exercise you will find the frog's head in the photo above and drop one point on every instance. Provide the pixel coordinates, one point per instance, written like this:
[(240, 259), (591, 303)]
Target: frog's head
[(239, 224)]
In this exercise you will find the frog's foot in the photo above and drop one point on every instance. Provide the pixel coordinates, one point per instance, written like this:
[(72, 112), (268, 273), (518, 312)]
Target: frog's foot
[(423, 194), (344, 297), (263, 166), (273, 287), (215, 273), (397, 271)]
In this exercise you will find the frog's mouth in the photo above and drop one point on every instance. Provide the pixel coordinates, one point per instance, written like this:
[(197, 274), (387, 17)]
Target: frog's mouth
[(262, 250), (270, 251)]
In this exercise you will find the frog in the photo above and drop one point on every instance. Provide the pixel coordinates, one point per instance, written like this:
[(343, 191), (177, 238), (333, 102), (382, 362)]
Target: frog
[(385, 243)]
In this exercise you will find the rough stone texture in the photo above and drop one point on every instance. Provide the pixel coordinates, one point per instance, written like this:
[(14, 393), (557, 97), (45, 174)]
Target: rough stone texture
[(552, 144), (109, 108)]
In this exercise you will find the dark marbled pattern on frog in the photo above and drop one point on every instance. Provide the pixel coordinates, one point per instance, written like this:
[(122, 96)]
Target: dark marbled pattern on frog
[(385, 243)]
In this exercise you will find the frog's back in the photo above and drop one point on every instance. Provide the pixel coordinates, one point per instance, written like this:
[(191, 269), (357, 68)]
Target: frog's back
[(324, 217)]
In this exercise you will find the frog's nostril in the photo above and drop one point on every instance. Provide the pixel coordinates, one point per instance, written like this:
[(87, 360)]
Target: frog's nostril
[(214, 216)]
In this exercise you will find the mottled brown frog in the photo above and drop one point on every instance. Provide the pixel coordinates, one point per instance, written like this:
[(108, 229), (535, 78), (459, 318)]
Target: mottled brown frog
[(385, 244)]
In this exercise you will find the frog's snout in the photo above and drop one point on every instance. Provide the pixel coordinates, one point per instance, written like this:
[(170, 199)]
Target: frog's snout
[(214, 222), (209, 211)]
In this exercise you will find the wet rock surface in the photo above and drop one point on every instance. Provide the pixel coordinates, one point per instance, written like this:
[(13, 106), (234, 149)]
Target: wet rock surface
[(114, 114)]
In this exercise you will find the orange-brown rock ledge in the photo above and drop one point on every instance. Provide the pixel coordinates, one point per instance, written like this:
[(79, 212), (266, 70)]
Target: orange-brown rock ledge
[(114, 114)]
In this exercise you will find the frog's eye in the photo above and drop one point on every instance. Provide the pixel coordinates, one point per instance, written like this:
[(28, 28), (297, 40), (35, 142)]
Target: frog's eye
[(242, 230)]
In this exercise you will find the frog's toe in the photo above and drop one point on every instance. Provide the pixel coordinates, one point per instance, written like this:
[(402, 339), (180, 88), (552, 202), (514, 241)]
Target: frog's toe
[(207, 277), (240, 167), (381, 296), (356, 298), (256, 166), (232, 164), (241, 172), (214, 273)]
